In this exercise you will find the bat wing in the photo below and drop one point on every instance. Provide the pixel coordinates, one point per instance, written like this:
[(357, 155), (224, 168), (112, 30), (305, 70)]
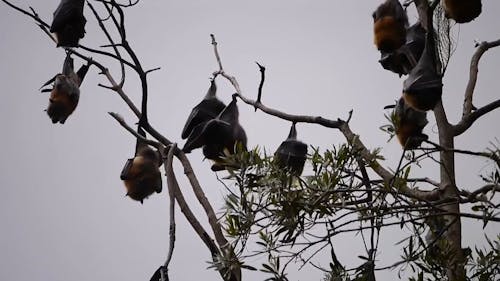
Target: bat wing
[(68, 11), (82, 71), (206, 110), (292, 148), (124, 175), (196, 138), (292, 154)]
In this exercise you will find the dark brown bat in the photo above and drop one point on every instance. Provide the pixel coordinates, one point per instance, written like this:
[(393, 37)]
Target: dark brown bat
[(390, 22), (206, 110), (141, 174), (462, 11), (69, 23), (404, 59), (408, 124), (291, 154), (423, 88), (65, 93), (219, 136)]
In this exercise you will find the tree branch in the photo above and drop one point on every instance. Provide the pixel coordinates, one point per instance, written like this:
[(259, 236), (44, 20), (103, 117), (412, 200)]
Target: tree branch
[(469, 119), (474, 69)]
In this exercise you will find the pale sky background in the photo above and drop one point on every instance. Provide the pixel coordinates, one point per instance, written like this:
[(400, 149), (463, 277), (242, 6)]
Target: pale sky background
[(63, 213)]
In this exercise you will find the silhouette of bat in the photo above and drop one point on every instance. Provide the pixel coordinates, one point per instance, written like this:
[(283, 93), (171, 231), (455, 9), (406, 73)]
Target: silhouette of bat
[(291, 154), (423, 88), (404, 59), (141, 174), (206, 110), (69, 23), (390, 22), (462, 11), (65, 92), (408, 124), (219, 136)]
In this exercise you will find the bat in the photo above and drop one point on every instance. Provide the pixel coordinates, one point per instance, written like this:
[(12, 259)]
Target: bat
[(141, 174), (423, 88), (390, 22), (69, 23), (408, 124), (462, 11), (291, 154), (206, 110), (219, 136), (404, 59), (65, 93)]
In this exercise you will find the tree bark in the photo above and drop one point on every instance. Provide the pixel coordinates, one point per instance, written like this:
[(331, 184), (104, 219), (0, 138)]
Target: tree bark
[(455, 262)]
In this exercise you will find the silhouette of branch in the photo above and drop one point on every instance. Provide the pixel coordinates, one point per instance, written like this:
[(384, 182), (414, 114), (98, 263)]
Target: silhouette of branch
[(471, 85), (339, 124)]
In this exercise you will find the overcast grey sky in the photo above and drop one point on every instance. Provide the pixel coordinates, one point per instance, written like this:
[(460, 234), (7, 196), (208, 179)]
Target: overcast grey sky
[(63, 213)]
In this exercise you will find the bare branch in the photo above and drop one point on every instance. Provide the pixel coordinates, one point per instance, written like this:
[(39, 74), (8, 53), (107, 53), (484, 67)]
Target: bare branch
[(132, 131), (474, 68), (478, 195), (200, 195), (262, 70), (340, 124), (31, 15), (169, 170), (469, 119)]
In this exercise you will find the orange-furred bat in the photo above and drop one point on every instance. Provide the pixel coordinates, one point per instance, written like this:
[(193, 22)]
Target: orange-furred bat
[(69, 23), (219, 136), (408, 124), (423, 88), (206, 110), (291, 154), (65, 93), (462, 11), (141, 174), (404, 59), (389, 26)]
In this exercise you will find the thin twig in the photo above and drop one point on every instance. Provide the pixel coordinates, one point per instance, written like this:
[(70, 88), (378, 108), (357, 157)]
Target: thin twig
[(169, 170), (262, 70)]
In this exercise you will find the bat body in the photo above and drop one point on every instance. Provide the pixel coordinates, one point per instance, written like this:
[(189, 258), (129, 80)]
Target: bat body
[(404, 59), (409, 124), (206, 110), (219, 136), (69, 23), (141, 174), (291, 154), (390, 22), (423, 88), (462, 11), (65, 93)]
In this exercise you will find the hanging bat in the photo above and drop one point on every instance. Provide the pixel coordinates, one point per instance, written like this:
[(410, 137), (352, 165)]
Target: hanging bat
[(390, 22), (219, 136), (408, 124), (141, 174), (462, 11), (69, 23), (206, 110), (291, 154), (404, 59), (423, 88), (65, 92)]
